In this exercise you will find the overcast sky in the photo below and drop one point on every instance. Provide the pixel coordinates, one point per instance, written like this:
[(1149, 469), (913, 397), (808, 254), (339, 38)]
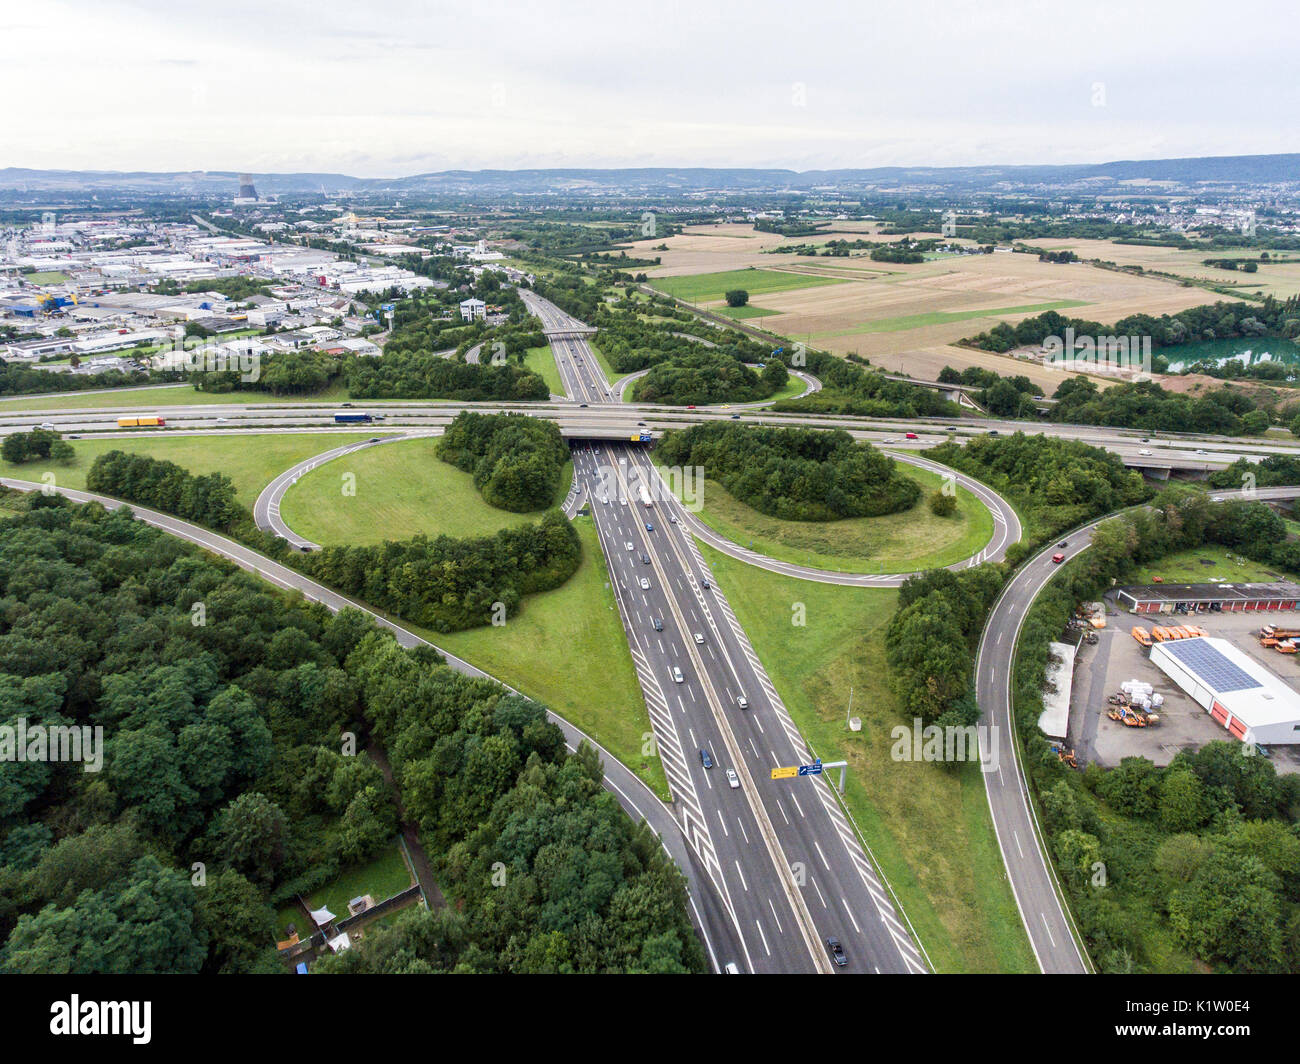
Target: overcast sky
[(395, 87)]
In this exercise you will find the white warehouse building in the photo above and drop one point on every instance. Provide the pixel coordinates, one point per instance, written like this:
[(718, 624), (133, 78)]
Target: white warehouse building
[(1237, 691)]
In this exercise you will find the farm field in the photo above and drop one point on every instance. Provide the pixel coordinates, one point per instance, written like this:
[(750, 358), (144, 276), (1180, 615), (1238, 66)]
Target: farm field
[(906, 318), (903, 542), (251, 461), (927, 826), (711, 287), (402, 490)]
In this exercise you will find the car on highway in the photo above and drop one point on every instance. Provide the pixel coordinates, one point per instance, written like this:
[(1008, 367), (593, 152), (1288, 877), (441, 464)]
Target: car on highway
[(952, 428), (1145, 452), (649, 527), (221, 421), (677, 675), (1064, 543), (658, 623), (48, 426), (691, 407), (910, 436), (645, 584), (645, 558), (735, 417), (730, 968), (641, 423), (837, 952), (993, 432), (742, 701), (705, 759), (733, 781), (583, 405), (705, 584), (1058, 557), (699, 638), (672, 519), (1199, 451), (1146, 439), (631, 545), (346, 404)]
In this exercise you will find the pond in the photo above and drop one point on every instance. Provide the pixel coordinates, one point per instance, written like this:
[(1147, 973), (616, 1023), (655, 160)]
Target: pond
[(1247, 351)]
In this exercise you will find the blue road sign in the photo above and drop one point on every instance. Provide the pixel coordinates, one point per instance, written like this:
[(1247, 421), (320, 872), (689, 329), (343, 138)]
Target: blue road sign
[(815, 769)]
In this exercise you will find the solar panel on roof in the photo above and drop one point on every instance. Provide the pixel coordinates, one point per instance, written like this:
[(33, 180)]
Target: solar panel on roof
[(1211, 665)]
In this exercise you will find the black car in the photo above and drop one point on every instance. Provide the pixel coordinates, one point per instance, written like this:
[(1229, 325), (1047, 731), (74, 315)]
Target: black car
[(837, 952), (658, 623), (583, 405), (645, 558), (1064, 543)]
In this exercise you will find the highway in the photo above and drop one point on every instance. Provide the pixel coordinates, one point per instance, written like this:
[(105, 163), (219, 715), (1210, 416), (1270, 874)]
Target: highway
[(1033, 880), (781, 852)]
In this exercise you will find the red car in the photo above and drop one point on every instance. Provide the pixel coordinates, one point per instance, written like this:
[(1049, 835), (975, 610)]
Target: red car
[(1058, 557), (911, 436)]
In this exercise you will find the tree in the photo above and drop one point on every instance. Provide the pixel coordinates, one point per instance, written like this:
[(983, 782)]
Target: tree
[(250, 834), (942, 504), (737, 297)]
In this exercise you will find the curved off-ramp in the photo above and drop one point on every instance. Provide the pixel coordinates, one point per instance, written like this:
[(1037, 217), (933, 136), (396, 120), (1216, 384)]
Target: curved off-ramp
[(711, 917), (1006, 531)]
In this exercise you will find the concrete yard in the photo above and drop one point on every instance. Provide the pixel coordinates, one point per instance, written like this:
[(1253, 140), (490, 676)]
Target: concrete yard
[(1184, 725)]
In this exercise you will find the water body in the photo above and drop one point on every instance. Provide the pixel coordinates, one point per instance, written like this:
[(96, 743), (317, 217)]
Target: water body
[(1220, 352)]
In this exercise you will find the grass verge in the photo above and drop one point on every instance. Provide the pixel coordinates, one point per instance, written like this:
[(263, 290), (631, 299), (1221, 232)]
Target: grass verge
[(927, 825)]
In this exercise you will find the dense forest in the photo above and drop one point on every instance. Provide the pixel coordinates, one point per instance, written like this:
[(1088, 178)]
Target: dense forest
[(517, 461), (796, 474), (1145, 405), (1054, 483), (1211, 321), (225, 791), (424, 375)]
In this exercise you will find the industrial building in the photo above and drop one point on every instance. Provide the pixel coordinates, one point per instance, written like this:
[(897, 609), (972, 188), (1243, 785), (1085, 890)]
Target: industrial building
[(1242, 695), (1212, 598)]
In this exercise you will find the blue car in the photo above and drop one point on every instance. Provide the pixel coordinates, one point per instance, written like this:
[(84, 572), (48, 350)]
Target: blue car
[(705, 759), (649, 527)]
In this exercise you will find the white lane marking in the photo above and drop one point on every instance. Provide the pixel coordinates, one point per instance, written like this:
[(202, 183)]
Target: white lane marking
[(818, 889), (740, 873), (1050, 937), (850, 912), (724, 824), (1016, 835), (774, 916), (763, 937), (825, 862)]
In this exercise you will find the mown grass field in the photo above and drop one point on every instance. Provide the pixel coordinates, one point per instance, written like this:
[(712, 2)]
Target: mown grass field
[(1188, 567), (160, 396), (747, 311), (251, 461), (710, 287), (895, 543), (928, 826), (402, 490), (567, 648), (541, 361)]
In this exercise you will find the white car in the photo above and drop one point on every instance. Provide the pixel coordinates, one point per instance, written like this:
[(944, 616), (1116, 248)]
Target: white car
[(699, 638), (1199, 451), (631, 545), (733, 781), (645, 584), (1144, 452), (48, 426)]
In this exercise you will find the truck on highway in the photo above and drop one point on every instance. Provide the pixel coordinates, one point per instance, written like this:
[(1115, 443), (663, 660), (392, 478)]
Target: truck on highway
[(346, 417), (645, 495), (147, 421)]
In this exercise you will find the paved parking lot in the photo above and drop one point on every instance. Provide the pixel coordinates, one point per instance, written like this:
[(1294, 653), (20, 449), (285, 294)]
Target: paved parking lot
[(1116, 657)]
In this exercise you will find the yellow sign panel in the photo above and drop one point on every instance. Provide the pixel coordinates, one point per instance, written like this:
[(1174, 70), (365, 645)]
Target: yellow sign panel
[(785, 773)]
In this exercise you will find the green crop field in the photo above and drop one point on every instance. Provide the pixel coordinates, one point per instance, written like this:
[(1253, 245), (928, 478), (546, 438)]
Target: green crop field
[(251, 461), (927, 825), (747, 311), (402, 490), (943, 317), (895, 543), (709, 287)]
